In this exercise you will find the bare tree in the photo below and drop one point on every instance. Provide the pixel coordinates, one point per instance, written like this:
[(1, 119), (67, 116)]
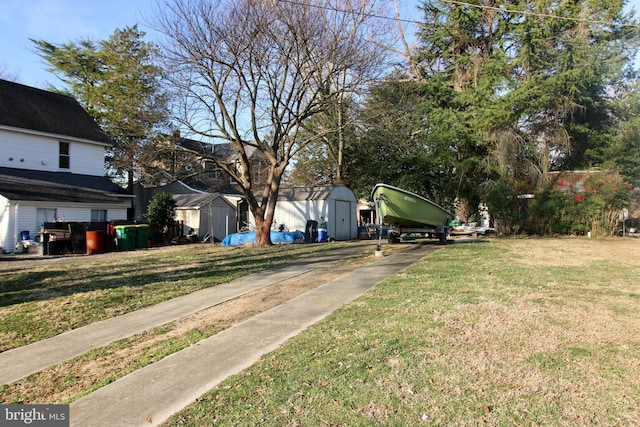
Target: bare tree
[(5, 74), (252, 72), (366, 29)]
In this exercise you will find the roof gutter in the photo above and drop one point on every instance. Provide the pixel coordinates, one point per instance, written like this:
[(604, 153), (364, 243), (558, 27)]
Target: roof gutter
[(54, 135)]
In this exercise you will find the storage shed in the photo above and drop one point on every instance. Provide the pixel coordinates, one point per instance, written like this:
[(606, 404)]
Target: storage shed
[(334, 205), (213, 214), (207, 213)]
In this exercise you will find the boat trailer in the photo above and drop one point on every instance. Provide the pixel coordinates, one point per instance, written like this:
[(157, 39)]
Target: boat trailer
[(394, 233)]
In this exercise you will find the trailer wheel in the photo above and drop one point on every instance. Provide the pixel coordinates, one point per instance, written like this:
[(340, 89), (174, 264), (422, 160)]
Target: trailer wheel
[(442, 238), (393, 238)]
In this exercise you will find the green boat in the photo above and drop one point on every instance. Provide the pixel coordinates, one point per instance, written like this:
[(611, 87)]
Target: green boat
[(405, 210)]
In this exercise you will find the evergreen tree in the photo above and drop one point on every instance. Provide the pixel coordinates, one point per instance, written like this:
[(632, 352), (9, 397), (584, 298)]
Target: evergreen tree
[(160, 214), (622, 153), (397, 147), (530, 81), (118, 83)]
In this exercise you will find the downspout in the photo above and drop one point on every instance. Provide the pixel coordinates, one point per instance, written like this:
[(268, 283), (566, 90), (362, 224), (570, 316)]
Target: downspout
[(15, 226)]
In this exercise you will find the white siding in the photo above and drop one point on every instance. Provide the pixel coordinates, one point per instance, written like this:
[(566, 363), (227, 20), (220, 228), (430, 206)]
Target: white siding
[(338, 210), (296, 214), (87, 159), (27, 219), (83, 214), (117, 214), (190, 218), (10, 233), (5, 225), (41, 152)]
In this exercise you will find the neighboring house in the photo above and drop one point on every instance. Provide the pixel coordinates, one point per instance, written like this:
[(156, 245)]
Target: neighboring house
[(576, 181), (366, 213), (205, 213), (334, 205), (191, 162), (51, 164), (187, 167)]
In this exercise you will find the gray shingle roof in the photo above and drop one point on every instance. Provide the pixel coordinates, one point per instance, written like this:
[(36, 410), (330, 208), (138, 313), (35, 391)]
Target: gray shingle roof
[(193, 201), (35, 109), (304, 193), (30, 185)]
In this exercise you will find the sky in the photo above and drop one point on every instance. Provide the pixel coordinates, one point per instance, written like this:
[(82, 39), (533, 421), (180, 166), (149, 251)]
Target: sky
[(63, 21), (59, 21)]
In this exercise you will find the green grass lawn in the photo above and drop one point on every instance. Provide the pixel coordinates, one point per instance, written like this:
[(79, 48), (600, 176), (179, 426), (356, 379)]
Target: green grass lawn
[(504, 333), (40, 299), (499, 332)]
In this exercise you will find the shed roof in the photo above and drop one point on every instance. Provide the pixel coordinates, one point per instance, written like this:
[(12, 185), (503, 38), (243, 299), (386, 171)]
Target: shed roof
[(38, 110), (42, 186), (196, 201), (296, 194)]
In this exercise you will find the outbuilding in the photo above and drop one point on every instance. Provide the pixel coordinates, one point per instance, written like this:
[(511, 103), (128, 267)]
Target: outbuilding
[(207, 214), (334, 207)]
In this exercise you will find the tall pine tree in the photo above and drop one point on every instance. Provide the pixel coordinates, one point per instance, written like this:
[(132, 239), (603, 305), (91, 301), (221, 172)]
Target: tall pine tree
[(118, 83)]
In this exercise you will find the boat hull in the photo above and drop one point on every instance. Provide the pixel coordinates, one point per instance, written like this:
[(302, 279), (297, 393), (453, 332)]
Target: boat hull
[(401, 208)]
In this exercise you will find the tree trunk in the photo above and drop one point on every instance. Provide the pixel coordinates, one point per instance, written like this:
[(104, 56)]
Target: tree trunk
[(264, 213), (263, 233)]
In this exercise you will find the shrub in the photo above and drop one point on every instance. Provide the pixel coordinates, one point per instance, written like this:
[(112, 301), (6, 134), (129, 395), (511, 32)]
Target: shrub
[(507, 207), (560, 207), (160, 215)]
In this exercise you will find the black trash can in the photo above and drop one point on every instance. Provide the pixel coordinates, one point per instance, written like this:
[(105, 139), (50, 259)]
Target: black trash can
[(311, 231)]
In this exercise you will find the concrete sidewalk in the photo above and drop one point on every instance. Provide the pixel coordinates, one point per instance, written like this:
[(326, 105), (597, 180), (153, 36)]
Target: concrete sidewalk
[(152, 394), (22, 361)]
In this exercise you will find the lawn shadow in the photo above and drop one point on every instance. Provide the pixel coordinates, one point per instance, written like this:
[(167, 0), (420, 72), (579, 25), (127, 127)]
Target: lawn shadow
[(25, 286)]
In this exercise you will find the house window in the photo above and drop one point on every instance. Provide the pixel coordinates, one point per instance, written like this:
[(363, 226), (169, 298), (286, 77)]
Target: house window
[(236, 169), (45, 215), (98, 215), (64, 162), (216, 172)]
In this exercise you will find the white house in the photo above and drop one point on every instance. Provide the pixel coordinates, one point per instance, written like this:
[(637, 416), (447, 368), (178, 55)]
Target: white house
[(334, 205), (51, 164)]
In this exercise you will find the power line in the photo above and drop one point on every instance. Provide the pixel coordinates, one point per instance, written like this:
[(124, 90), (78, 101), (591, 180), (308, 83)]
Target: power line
[(463, 3), (538, 14)]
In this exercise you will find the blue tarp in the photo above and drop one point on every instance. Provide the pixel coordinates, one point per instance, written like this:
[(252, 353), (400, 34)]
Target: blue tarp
[(250, 237)]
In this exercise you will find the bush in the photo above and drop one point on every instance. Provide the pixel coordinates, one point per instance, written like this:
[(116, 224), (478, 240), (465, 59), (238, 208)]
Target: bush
[(160, 215), (507, 207), (561, 208)]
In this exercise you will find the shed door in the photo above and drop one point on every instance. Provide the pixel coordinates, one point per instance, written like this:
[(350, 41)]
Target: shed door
[(221, 219), (343, 220)]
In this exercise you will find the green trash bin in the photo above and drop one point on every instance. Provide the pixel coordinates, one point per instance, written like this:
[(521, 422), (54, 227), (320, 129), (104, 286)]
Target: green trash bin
[(131, 233), (142, 236), (125, 237)]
